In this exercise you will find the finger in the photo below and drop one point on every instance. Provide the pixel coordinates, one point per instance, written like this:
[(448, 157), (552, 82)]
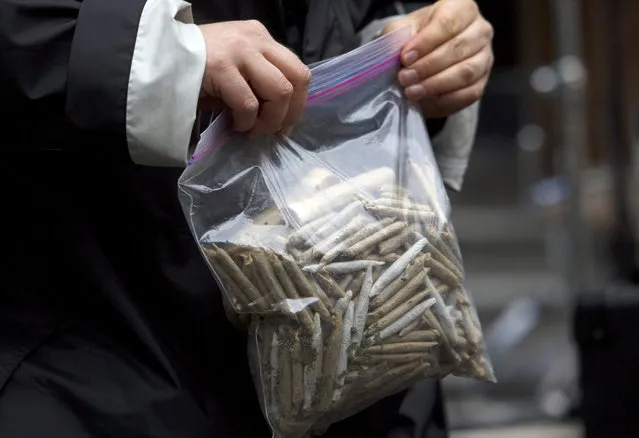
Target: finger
[(448, 19), (236, 93), (457, 77), (298, 75), (266, 80), (275, 91), (270, 118), (451, 103), (286, 131), (465, 45)]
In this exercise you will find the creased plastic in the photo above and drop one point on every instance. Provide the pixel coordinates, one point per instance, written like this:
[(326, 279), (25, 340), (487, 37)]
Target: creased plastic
[(333, 247)]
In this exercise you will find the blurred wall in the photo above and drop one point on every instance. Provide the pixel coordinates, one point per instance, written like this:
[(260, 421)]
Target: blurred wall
[(537, 47)]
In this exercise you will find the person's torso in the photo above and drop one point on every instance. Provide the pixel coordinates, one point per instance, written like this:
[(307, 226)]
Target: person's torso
[(92, 237), (314, 29)]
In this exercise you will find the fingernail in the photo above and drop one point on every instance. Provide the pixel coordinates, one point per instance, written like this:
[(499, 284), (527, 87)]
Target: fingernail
[(415, 91), (408, 77), (410, 57)]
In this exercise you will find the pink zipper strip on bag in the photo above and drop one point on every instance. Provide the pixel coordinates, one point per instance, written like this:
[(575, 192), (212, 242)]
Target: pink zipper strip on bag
[(353, 82)]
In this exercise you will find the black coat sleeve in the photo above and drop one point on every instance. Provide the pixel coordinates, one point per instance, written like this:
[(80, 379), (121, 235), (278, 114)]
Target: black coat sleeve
[(69, 58)]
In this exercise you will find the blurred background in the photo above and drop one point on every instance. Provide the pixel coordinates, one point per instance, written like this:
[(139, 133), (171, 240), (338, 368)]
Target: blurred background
[(546, 222)]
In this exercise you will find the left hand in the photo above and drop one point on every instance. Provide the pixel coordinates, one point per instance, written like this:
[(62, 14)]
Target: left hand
[(448, 61)]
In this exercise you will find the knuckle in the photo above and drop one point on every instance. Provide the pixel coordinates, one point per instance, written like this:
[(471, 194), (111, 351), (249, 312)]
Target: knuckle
[(215, 62), (256, 26), (256, 30), (250, 104), (489, 30), (489, 62), (285, 89), (218, 64), (475, 94), (303, 76), (474, 7), (449, 25), (460, 48), (237, 42), (468, 73)]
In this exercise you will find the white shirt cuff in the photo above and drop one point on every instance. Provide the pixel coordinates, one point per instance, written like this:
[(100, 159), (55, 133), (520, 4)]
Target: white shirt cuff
[(164, 84), (453, 144)]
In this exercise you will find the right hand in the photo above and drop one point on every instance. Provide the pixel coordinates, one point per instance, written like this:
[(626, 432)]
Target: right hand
[(263, 83)]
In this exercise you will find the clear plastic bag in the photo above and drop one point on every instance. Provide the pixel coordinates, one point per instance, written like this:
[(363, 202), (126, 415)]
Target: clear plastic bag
[(334, 247)]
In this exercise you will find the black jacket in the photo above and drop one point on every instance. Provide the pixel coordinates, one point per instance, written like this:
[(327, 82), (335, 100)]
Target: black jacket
[(110, 323)]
